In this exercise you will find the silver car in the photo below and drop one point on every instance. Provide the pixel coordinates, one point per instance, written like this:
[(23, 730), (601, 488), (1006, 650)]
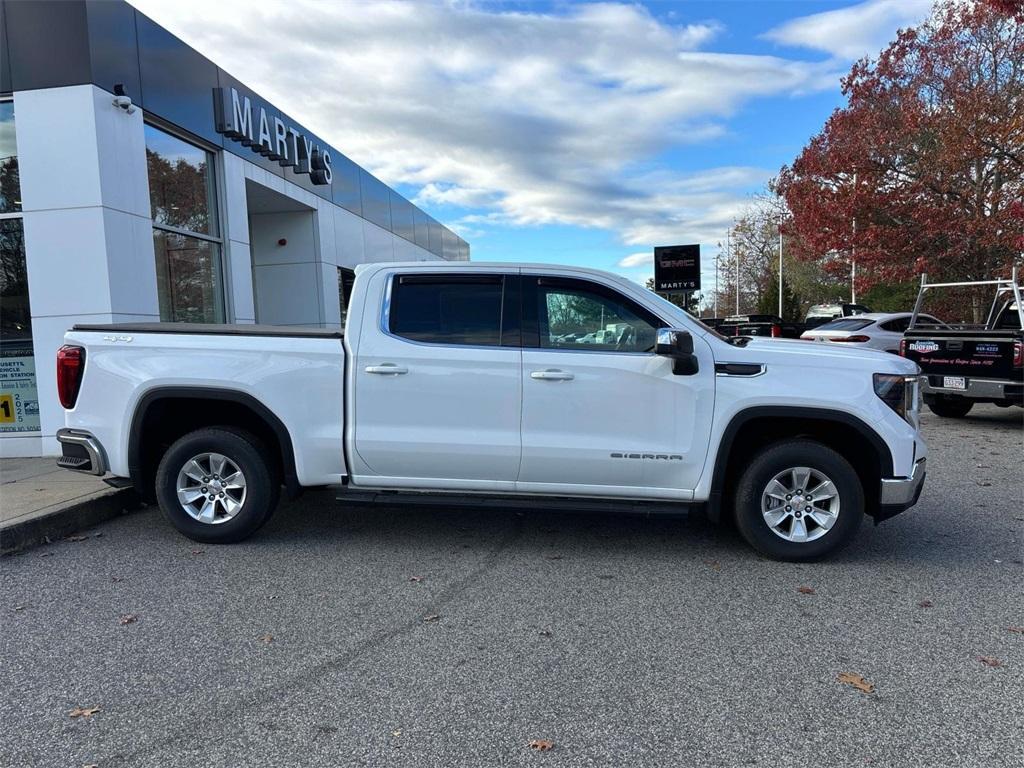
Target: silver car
[(877, 330)]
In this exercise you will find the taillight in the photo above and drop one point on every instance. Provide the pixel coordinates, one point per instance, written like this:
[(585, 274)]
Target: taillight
[(1018, 354), (776, 331), (70, 366), (855, 339), (903, 347)]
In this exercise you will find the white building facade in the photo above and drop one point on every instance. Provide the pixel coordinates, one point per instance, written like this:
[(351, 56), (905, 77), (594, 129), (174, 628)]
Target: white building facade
[(140, 182)]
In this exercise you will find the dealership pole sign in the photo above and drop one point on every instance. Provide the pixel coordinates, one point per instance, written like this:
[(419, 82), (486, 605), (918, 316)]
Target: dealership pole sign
[(269, 135), (676, 268)]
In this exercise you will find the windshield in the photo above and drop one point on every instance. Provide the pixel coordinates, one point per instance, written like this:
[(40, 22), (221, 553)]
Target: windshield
[(846, 324)]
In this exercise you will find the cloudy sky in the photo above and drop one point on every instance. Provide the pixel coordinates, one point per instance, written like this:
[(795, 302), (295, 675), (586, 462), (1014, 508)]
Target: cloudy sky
[(557, 132)]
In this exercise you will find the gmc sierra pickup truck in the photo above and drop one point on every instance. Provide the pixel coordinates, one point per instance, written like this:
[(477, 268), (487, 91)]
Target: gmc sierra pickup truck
[(964, 364), (497, 384)]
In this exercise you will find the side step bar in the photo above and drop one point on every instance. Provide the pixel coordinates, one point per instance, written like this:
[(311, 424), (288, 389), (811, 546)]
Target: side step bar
[(526, 503)]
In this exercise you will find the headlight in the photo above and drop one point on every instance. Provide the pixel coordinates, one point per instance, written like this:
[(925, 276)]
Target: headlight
[(901, 394)]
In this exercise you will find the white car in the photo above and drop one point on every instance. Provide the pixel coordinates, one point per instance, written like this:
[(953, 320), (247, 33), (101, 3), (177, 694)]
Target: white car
[(875, 330), (448, 383)]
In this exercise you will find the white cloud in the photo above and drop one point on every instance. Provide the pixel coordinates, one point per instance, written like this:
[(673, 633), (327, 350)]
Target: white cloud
[(536, 118), (642, 259), (851, 32)]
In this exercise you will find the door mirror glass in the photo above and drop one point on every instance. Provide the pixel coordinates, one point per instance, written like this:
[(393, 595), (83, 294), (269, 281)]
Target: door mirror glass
[(677, 345)]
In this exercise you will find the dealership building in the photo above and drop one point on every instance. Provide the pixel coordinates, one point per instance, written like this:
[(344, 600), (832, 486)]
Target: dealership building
[(141, 182)]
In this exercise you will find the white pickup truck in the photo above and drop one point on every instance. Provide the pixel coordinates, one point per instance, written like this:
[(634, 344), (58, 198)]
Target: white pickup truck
[(497, 383)]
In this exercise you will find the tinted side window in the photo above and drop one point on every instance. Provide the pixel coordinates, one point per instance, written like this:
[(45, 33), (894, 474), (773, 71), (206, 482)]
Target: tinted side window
[(899, 325), (447, 309), (582, 316)]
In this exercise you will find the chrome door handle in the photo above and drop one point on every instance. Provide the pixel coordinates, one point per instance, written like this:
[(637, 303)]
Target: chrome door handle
[(388, 369), (552, 375)]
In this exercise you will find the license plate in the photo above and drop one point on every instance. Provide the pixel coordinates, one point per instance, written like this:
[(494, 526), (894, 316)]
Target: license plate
[(954, 382)]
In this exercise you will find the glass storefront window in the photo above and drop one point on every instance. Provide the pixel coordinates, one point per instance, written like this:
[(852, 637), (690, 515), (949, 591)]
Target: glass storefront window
[(19, 400), (10, 184), (188, 276), (182, 192), (346, 277)]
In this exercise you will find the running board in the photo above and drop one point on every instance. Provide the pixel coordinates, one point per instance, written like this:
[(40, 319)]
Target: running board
[(512, 502)]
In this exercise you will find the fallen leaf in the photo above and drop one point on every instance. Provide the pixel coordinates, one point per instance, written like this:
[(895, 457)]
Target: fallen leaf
[(129, 618), (432, 617), (198, 551), (266, 638), (46, 554), (91, 765), (605, 576), (397, 733), (541, 745), (805, 590), (415, 579), (984, 483), (553, 557), (116, 579), (545, 633), (857, 681), (713, 565), (925, 604), (1018, 630), (98, 535), (84, 711), (990, 661), (22, 608), (78, 537)]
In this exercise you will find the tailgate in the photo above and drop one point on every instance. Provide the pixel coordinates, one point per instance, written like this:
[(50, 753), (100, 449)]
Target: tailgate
[(974, 356)]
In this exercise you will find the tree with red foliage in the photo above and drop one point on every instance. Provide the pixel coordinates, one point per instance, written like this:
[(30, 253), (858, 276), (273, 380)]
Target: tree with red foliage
[(923, 170)]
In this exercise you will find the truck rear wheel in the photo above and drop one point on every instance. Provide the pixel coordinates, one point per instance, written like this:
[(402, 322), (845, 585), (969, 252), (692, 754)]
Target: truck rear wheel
[(799, 500), (216, 486), (951, 407)]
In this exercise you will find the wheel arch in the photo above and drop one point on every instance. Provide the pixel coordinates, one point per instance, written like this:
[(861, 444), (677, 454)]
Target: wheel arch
[(758, 426), (243, 410)]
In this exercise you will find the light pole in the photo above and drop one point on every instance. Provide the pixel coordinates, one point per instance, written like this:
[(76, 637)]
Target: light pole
[(733, 255), (717, 254), (780, 270)]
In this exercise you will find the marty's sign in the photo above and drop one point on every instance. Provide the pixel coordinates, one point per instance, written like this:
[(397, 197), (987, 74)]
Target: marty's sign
[(676, 268), (269, 135)]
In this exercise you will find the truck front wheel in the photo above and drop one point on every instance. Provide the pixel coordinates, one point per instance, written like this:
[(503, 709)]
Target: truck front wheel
[(799, 500), (216, 486), (950, 407)]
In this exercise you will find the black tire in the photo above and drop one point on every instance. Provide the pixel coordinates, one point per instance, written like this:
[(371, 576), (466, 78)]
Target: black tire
[(262, 486), (951, 407), (778, 458)]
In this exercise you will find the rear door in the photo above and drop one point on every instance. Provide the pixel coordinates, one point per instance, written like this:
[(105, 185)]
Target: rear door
[(438, 383), (602, 414)]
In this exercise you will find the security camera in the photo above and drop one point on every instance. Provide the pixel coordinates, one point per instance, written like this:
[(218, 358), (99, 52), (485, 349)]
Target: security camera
[(122, 100)]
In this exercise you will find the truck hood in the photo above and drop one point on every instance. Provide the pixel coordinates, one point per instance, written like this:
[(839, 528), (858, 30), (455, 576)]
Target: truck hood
[(808, 353)]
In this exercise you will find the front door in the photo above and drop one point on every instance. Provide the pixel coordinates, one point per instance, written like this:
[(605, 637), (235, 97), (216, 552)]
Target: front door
[(602, 414), (438, 383)]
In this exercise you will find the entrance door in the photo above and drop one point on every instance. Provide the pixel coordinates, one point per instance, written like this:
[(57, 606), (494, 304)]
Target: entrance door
[(601, 412), (438, 383)]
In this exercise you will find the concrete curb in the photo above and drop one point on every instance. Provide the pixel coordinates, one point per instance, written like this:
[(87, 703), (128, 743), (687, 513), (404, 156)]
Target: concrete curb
[(72, 518)]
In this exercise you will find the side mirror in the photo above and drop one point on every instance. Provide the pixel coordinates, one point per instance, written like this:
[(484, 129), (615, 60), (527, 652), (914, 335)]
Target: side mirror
[(677, 345)]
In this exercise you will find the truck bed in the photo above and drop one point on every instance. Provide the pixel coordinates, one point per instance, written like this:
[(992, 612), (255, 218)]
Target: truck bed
[(213, 329)]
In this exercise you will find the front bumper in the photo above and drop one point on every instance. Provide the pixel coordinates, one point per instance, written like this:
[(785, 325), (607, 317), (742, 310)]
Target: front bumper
[(899, 494), (81, 452)]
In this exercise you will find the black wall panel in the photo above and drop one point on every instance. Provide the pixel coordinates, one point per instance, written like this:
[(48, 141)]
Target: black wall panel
[(376, 199), (113, 47), (48, 44), (177, 82)]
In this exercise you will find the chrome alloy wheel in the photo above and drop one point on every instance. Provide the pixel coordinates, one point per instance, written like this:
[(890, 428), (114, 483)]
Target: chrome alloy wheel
[(211, 488), (800, 504)]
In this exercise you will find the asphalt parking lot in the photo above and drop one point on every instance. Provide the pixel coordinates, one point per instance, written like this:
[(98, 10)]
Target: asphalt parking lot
[(437, 637)]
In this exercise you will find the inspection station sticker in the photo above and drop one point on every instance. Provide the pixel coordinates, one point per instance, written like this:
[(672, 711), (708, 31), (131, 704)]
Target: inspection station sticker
[(19, 403)]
